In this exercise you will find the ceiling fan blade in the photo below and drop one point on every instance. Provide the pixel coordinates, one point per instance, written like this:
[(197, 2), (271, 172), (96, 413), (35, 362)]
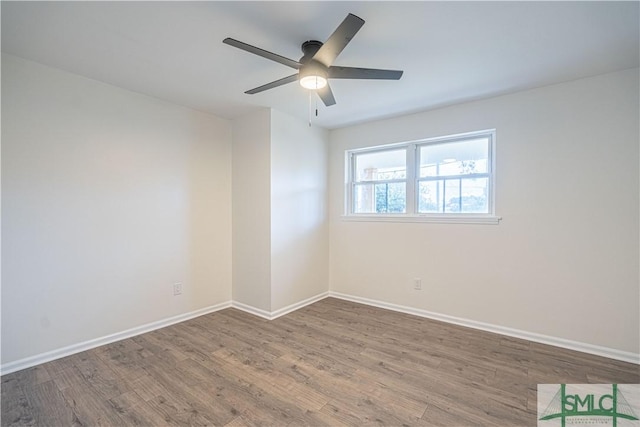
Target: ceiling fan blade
[(363, 73), (280, 82), (326, 95), (338, 40), (261, 52)]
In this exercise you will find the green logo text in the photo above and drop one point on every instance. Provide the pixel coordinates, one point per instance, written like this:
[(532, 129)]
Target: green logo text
[(564, 405)]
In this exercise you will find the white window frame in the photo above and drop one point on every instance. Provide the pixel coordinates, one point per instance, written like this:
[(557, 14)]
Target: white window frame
[(413, 179)]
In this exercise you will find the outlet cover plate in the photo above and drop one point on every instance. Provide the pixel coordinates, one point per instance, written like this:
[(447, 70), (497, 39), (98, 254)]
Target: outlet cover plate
[(177, 288)]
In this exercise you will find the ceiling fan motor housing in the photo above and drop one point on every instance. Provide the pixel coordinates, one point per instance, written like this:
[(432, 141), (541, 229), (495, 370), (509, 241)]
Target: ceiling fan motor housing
[(309, 48)]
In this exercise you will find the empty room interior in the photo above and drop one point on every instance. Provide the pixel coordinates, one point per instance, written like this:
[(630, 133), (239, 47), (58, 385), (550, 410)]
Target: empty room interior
[(320, 213)]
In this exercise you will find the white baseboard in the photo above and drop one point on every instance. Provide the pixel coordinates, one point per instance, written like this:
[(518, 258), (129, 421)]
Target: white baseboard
[(38, 359), (280, 312), (516, 333), (28, 362), (252, 310), (293, 307)]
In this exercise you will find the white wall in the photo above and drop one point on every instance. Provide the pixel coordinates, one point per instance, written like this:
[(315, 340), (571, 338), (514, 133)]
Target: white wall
[(252, 210), (280, 226), (299, 224), (563, 262), (108, 198)]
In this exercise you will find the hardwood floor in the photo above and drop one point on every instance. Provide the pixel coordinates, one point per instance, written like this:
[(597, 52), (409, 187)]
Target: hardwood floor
[(331, 363)]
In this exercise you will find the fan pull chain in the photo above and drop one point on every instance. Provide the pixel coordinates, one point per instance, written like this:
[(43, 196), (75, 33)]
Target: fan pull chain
[(311, 92)]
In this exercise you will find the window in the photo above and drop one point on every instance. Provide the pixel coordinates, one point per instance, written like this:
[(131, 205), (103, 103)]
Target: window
[(447, 178)]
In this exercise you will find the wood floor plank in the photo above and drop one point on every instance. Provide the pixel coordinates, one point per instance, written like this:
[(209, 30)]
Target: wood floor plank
[(147, 387), (183, 391), (278, 384), (50, 406), (133, 407), (88, 405), (16, 409), (178, 413), (333, 363), (124, 364)]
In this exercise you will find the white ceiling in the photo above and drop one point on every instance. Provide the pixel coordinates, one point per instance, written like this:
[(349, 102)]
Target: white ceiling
[(450, 51)]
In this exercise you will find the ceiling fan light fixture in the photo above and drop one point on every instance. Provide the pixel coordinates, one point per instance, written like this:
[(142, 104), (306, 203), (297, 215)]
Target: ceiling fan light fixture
[(313, 76), (313, 82)]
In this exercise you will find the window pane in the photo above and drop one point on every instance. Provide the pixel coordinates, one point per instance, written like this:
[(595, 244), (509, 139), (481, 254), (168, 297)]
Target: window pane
[(455, 158), (380, 198), (452, 196), (447, 196), (474, 195), (430, 197), (381, 165)]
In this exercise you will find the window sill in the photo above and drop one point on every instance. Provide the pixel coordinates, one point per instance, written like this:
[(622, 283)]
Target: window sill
[(440, 219)]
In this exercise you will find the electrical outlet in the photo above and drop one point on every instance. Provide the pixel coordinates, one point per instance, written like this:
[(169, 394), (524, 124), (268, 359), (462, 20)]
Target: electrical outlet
[(417, 284), (177, 288)]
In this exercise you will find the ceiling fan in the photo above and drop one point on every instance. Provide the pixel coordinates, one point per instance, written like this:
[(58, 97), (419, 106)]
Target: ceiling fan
[(315, 67)]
